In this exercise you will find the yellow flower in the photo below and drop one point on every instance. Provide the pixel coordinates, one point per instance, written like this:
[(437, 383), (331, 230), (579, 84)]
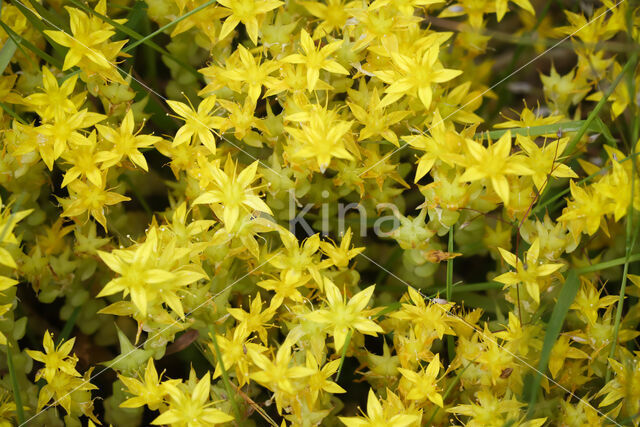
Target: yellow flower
[(378, 416), (429, 320), (332, 16), (88, 44), (249, 12), (231, 193), (494, 163), (342, 316), (70, 392), (318, 381), (125, 143), (375, 120), (299, 256), (55, 137), (415, 75), (502, 5), (529, 272), (562, 350), (255, 319), (55, 101), (151, 391), (84, 161), (316, 59), (235, 351), (545, 162), (424, 383), (198, 123), (489, 410), (277, 374), (251, 73), (320, 135), (340, 255), (192, 409), (145, 278), (586, 211), (8, 222), (286, 286), (444, 144), (90, 198), (55, 359), (624, 385)]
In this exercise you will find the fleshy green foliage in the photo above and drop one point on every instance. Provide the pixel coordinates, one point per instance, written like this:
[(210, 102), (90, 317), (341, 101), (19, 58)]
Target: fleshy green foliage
[(319, 212)]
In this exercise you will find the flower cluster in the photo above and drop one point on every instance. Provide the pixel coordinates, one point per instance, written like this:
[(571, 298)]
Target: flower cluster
[(190, 187)]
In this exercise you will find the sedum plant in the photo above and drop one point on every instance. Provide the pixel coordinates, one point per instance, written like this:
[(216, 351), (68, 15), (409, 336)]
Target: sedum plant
[(360, 213)]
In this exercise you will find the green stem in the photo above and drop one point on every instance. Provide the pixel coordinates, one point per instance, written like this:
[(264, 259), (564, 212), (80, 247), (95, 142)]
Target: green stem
[(596, 110), (14, 384), (167, 26), (608, 264), (571, 126), (225, 375), (12, 113), (26, 43), (630, 241), (347, 341), (68, 326), (449, 292)]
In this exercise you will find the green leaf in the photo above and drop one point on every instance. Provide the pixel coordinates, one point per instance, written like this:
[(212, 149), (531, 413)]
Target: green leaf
[(39, 24), (344, 352), (451, 348), (26, 43), (603, 129), (12, 113), (608, 264), (571, 126), (565, 299), (6, 54), (14, 385)]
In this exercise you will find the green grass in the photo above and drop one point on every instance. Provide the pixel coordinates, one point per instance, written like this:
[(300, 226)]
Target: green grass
[(565, 299)]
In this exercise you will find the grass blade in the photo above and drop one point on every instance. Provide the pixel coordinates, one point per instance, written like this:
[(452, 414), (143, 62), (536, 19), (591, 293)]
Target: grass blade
[(451, 350), (12, 113), (608, 264), (565, 299), (6, 53), (49, 15), (344, 353), (571, 126), (596, 110), (26, 43), (68, 326), (14, 384), (630, 236), (167, 26)]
